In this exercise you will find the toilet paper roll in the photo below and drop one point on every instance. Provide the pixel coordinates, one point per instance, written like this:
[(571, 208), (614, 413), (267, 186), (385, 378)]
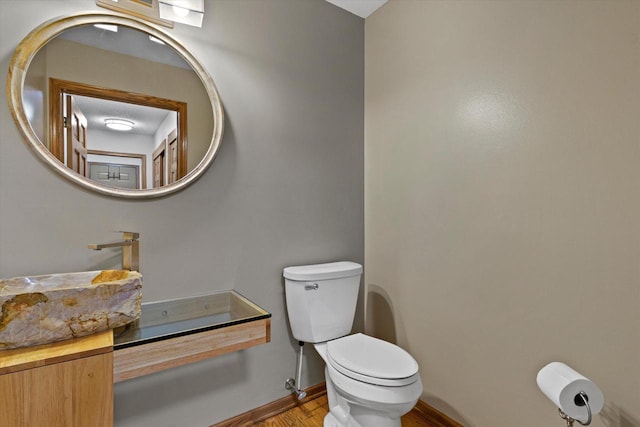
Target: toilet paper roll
[(562, 385)]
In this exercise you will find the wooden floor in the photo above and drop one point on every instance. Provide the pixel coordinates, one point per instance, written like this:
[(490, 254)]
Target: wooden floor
[(312, 412), (309, 412)]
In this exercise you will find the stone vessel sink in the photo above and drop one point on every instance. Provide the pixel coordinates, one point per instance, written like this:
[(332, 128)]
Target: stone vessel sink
[(43, 309)]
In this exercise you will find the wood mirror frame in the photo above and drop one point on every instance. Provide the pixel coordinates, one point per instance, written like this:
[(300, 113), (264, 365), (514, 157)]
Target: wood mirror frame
[(40, 36)]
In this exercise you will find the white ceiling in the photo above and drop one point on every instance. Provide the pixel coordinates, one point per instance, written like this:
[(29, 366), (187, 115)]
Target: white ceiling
[(362, 8), (147, 120)]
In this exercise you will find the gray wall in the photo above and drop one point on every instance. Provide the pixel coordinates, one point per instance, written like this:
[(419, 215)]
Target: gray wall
[(286, 188)]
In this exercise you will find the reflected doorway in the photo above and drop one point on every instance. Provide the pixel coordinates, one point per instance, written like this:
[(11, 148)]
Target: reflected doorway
[(78, 134)]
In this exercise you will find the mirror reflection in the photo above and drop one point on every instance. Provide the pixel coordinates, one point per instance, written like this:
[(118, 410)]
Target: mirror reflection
[(117, 151), (118, 106)]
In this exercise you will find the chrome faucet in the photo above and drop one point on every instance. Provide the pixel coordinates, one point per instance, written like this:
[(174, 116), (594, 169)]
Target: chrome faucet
[(130, 249)]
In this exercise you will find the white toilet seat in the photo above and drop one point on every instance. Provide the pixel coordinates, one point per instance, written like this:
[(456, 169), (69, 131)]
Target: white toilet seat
[(367, 393), (374, 380), (371, 360)]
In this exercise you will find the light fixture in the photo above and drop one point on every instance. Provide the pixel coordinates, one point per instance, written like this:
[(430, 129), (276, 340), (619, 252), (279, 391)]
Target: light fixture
[(190, 12), (118, 124), (145, 9)]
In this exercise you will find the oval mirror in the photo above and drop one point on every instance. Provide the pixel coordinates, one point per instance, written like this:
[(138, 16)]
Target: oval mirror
[(115, 105)]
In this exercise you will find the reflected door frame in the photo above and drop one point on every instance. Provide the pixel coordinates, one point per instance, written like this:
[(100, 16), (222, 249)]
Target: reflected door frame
[(59, 88), (159, 165)]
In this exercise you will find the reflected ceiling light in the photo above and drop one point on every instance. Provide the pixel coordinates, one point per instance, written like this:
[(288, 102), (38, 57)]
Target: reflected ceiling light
[(118, 124), (108, 27), (190, 12)]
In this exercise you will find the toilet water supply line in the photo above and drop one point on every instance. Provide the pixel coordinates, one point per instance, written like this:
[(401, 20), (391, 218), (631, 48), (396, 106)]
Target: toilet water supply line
[(293, 384)]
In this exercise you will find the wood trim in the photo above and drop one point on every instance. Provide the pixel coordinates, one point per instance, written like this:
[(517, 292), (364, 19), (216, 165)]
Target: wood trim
[(59, 87), (145, 359), (438, 418), (20, 359), (277, 407), (173, 136), (182, 143), (272, 409), (56, 127), (160, 148), (160, 151), (141, 157)]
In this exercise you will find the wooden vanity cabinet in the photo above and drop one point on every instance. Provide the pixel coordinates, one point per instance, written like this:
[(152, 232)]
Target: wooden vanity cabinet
[(64, 384)]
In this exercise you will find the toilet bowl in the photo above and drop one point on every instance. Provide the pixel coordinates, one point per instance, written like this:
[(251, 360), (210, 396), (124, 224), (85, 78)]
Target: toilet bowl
[(370, 382)]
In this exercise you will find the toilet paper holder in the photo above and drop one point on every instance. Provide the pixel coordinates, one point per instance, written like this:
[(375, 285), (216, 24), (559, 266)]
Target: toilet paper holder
[(581, 399), (571, 392)]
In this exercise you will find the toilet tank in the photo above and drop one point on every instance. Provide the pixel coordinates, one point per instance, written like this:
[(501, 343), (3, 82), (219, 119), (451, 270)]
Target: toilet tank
[(321, 299)]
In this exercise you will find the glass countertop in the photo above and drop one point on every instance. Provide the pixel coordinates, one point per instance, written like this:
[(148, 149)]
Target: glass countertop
[(162, 320)]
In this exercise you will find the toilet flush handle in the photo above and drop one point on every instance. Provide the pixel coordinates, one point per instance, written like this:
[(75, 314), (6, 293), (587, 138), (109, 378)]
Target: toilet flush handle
[(313, 287)]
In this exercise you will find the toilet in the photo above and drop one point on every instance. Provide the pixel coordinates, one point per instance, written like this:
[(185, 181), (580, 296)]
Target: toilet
[(370, 382)]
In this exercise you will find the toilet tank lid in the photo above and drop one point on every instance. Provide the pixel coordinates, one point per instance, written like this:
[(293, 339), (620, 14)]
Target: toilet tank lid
[(331, 270)]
